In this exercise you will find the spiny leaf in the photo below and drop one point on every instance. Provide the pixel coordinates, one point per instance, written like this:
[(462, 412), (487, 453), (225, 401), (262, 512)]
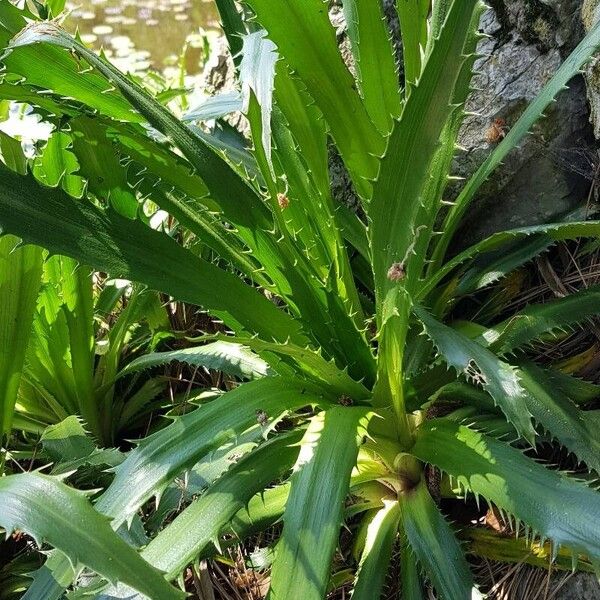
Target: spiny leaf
[(374, 61), (413, 27), (321, 478), (305, 38), (201, 523), (375, 559), (483, 367), (20, 279), (127, 248), (52, 512), (162, 456), (555, 506), (435, 545), (541, 237), (558, 415), (224, 356), (310, 364), (535, 320), (532, 113)]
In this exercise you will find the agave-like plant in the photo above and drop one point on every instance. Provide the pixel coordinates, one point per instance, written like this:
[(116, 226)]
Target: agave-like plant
[(71, 365), (347, 316)]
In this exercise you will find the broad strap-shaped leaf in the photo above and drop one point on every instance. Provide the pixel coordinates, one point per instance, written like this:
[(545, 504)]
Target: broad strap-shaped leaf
[(413, 27), (559, 416), (233, 359), (313, 513), (233, 194), (239, 202), (554, 506), (483, 367), (215, 107), (398, 197), (57, 165), (571, 67), (200, 525), (233, 26), (528, 325), (542, 236), (576, 389), (306, 39), (70, 447), (410, 579), (160, 457), (404, 172), (306, 123), (497, 546), (127, 248), (20, 280), (435, 546), (374, 61), (12, 154), (52, 512), (51, 579), (375, 559), (67, 77), (308, 363), (257, 76)]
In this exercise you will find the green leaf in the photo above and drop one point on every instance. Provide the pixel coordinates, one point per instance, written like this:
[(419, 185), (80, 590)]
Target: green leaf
[(399, 194), (56, 6), (571, 67), (577, 390), (374, 61), (233, 194), (541, 237), (410, 581), (375, 559), (556, 507), (404, 168), (257, 76), (68, 77), (559, 416), (12, 154), (215, 107), (413, 27), (313, 513), (202, 523), (70, 447), (162, 456), (233, 359), (20, 279), (483, 367), (52, 512), (100, 167), (435, 545), (57, 165), (308, 363), (306, 39), (181, 541), (528, 325), (51, 579), (233, 26), (128, 249)]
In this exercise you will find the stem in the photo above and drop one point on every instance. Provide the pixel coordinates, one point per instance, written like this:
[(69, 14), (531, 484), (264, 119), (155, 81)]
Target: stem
[(390, 376)]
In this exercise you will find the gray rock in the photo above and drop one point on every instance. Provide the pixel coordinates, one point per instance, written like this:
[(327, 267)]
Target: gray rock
[(550, 172), (583, 586)]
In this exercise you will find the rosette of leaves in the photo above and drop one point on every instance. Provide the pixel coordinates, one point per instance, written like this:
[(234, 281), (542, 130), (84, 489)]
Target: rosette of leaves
[(348, 312)]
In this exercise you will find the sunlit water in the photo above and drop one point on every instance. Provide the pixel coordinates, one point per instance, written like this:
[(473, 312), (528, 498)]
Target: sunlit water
[(138, 35)]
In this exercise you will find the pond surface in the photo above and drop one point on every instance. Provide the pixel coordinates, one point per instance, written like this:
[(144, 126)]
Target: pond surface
[(138, 35)]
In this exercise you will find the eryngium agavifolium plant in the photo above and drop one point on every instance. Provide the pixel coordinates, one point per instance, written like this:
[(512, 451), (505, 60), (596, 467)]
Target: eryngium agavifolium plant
[(343, 315)]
